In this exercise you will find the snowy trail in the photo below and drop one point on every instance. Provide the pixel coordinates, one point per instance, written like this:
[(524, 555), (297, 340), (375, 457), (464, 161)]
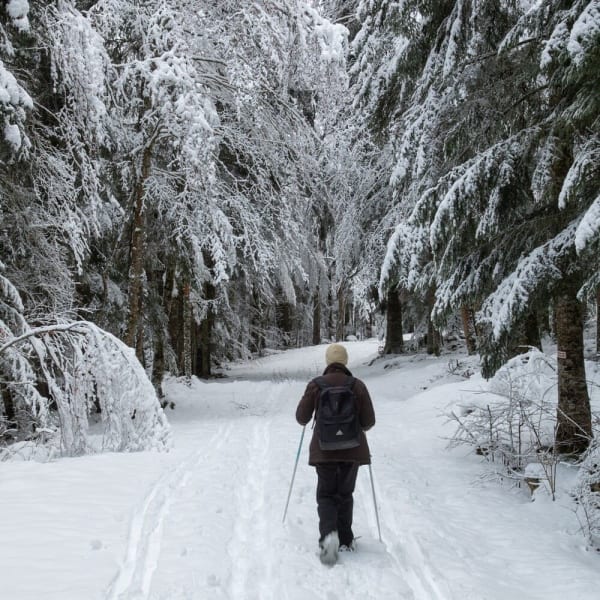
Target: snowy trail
[(178, 530), (204, 521)]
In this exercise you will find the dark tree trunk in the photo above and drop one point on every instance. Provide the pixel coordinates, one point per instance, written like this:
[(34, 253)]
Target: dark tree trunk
[(9, 405), (284, 321), (176, 329), (316, 330), (139, 342), (468, 320), (330, 329), (187, 331), (257, 324), (137, 251), (433, 338), (574, 421), (598, 324), (433, 335), (394, 335), (341, 313), (206, 329), (531, 331), (158, 364)]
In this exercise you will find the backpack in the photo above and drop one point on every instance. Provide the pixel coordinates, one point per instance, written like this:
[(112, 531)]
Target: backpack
[(336, 417)]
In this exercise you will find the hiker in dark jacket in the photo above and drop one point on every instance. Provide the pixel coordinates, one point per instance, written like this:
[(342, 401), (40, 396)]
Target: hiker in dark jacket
[(336, 469)]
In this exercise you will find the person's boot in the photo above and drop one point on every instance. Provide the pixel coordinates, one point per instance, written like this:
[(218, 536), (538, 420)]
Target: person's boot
[(329, 548)]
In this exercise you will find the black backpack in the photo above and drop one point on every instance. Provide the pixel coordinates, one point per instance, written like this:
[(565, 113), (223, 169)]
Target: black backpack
[(336, 417)]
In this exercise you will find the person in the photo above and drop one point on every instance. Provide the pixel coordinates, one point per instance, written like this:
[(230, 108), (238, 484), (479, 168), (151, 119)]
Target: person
[(336, 469)]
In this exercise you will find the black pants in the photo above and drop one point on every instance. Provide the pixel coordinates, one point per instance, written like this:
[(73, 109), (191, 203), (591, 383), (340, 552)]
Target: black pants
[(335, 486)]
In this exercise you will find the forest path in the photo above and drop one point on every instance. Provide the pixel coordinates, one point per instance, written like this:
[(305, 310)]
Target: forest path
[(211, 527), (204, 520)]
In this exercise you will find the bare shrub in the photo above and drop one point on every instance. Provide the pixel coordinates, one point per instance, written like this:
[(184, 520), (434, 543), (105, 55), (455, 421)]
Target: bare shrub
[(516, 431)]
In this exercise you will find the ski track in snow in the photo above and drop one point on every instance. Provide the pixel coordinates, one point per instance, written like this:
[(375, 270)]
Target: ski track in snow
[(134, 579), (251, 526), (406, 552)]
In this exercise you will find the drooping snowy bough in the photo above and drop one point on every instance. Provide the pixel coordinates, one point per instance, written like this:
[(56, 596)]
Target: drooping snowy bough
[(77, 385)]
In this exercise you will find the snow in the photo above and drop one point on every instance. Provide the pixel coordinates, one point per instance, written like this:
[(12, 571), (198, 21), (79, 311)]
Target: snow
[(11, 92), (584, 34), (205, 519), (17, 10), (589, 228)]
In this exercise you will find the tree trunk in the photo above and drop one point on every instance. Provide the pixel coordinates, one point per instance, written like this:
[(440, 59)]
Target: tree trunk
[(468, 320), (340, 325), (598, 323), (257, 324), (158, 364), (574, 421), (330, 328), (136, 259), (316, 330), (394, 336), (531, 331), (433, 335), (187, 331), (176, 326), (9, 406), (139, 342), (284, 321), (206, 329)]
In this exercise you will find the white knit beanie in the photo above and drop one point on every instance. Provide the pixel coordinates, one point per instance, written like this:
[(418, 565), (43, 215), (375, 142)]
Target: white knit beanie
[(336, 353)]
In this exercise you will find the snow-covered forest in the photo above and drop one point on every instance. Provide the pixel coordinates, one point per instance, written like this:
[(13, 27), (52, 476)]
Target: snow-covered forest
[(189, 183)]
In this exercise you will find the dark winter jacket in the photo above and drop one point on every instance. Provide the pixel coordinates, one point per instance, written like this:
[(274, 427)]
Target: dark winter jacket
[(335, 374)]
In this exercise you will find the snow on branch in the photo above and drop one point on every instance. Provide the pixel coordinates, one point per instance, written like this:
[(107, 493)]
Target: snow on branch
[(584, 167), (332, 37), (540, 268), (79, 65), (98, 396), (584, 35), (589, 228), (13, 102), (18, 12), (405, 256), (484, 177)]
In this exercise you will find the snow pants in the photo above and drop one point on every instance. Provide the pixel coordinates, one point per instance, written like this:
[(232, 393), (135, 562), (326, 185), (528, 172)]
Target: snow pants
[(335, 485)]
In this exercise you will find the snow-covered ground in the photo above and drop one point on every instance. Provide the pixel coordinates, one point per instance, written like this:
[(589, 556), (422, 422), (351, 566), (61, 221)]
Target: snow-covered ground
[(204, 521)]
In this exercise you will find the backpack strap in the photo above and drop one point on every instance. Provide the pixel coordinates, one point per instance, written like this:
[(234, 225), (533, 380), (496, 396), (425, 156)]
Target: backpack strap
[(322, 385), (320, 381)]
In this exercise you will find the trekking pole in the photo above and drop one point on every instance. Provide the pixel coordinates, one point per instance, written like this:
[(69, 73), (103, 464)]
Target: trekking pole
[(294, 473), (375, 503)]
